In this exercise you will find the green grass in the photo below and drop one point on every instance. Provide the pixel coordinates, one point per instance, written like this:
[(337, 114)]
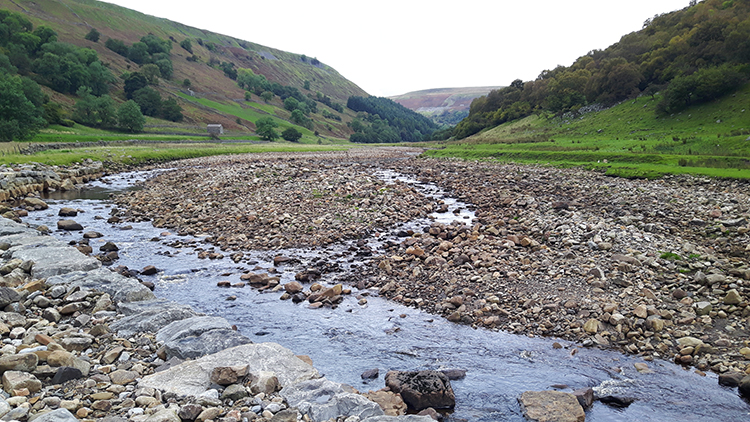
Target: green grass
[(162, 152), (628, 140), (251, 113)]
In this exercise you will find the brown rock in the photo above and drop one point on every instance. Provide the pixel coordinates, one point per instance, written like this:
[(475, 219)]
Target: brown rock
[(25, 362), (391, 403), (17, 380), (293, 287), (227, 375), (551, 406)]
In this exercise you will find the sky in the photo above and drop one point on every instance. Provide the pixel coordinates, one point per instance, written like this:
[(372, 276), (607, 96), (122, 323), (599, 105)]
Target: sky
[(391, 47)]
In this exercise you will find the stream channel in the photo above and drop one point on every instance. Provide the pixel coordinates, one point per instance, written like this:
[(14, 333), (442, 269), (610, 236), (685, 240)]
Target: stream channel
[(350, 339)]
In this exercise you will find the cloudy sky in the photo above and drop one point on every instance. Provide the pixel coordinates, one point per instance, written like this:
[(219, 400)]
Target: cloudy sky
[(390, 47)]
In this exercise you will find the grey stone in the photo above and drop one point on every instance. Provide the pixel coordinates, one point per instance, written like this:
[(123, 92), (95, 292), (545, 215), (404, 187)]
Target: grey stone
[(149, 316), (703, 308), (52, 258), (404, 418), (4, 407), (164, 415), (206, 343), (191, 327), (8, 296), (234, 392), (193, 377), (118, 287), (323, 400), (59, 415)]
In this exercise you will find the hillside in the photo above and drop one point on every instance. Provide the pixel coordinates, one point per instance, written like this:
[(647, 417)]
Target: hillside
[(445, 106), (211, 95), (689, 57)]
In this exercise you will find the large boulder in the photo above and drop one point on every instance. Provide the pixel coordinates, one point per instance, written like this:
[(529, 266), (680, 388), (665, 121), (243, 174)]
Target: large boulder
[(191, 327), (52, 258), (119, 288), (194, 377), (404, 418), (323, 400), (551, 406), (422, 389), (149, 316), (205, 343)]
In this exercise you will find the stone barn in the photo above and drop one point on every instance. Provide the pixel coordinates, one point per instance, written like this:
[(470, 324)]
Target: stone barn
[(215, 129)]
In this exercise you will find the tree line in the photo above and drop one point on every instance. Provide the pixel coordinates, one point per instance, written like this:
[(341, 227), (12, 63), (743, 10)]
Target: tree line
[(389, 122), (690, 56), (32, 56)]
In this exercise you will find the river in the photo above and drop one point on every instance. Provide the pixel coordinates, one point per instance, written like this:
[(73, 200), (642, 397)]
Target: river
[(350, 339)]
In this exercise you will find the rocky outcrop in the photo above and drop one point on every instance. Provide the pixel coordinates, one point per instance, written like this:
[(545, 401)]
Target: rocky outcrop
[(21, 180)]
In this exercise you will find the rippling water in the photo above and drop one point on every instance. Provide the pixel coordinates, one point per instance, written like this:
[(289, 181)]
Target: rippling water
[(346, 341)]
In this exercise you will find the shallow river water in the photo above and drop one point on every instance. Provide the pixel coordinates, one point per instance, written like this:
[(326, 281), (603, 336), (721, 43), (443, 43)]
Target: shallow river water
[(348, 340)]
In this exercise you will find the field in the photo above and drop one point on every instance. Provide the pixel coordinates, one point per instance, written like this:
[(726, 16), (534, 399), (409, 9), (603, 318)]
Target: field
[(628, 140)]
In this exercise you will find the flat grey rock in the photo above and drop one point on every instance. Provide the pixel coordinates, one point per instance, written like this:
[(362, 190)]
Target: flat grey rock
[(206, 343), (191, 327), (59, 415), (323, 399), (119, 288), (50, 256), (151, 316), (193, 377)]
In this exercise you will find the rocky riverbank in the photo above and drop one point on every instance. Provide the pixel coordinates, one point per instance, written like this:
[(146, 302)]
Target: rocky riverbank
[(81, 342), (19, 181), (654, 268)]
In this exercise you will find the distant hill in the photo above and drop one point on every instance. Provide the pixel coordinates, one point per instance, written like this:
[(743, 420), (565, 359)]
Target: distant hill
[(212, 95), (445, 106)]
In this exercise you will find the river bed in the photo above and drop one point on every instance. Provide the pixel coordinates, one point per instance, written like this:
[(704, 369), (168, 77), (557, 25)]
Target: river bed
[(350, 339)]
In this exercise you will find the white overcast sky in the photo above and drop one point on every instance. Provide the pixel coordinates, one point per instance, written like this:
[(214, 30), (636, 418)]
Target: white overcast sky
[(391, 47)]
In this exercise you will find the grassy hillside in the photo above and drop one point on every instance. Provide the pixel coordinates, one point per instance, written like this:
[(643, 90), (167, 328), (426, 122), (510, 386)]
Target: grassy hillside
[(445, 106), (629, 139), (213, 97)]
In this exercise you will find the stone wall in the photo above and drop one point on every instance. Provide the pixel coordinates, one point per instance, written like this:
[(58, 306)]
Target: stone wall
[(20, 180)]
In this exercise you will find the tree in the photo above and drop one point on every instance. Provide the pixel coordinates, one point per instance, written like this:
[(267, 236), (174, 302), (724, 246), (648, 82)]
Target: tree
[(94, 111), (138, 53), (93, 35), (20, 118), (151, 72), (134, 82), (171, 111), (165, 68), (266, 96), (291, 134), (117, 46), (187, 45), (265, 128), (149, 101), (130, 118), (291, 104)]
